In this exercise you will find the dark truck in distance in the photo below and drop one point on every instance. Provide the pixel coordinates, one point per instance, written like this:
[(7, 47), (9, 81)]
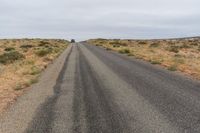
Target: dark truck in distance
[(73, 41)]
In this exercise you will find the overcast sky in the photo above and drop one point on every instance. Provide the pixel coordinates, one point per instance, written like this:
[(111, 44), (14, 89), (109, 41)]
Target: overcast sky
[(83, 19)]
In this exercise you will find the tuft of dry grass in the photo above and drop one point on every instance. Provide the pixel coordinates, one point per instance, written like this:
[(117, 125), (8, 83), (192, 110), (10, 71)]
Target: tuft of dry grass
[(174, 54), (22, 61)]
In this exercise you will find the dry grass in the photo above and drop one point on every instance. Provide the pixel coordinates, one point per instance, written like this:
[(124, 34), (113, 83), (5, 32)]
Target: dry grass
[(175, 55), (21, 62)]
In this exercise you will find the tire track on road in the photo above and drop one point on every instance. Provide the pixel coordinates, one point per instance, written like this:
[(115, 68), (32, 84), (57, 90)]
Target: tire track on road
[(102, 115)]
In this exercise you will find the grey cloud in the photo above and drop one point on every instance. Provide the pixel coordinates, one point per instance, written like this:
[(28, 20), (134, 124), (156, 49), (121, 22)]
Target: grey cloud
[(83, 19)]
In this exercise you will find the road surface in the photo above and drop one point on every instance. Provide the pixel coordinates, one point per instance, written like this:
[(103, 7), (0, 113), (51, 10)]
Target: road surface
[(99, 91)]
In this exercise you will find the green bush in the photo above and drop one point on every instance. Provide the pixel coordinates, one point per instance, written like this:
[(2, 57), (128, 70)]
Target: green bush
[(43, 52), (10, 57)]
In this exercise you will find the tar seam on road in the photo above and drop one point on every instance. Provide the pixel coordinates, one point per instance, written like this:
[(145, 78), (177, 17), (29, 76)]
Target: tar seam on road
[(44, 117)]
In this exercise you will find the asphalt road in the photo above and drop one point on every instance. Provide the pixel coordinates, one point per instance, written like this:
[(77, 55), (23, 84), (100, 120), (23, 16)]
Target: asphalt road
[(99, 91)]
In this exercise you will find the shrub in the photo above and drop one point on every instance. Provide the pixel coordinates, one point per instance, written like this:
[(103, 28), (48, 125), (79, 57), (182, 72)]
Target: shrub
[(174, 49), (194, 44), (43, 43), (10, 57), (43, 52), (172, 68), (199, 48), (26, 46), (115, 42), (142, 42), (131, 54), (108, 49), (178, 55), (116, 45), (155, 62), (33, 80), (124, 51), (185, 46), (35, 70), (179, 60), (18, 87), (153, 45), (9, 49), (98, 45)]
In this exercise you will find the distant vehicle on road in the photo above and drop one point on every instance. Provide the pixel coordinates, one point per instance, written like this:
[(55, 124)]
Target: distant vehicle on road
[(73, 41)]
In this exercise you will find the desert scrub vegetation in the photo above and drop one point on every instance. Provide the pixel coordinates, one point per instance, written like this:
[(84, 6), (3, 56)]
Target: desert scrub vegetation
[(173, 54), (22, 61), (10, 57), (43, 51)]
